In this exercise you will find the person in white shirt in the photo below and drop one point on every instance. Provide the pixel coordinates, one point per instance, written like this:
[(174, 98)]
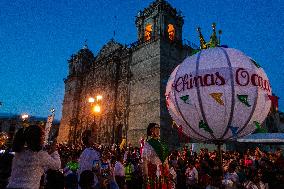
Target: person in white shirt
[(119, 172), (89, 155), (231, 178), (30, 161), (191, 175)]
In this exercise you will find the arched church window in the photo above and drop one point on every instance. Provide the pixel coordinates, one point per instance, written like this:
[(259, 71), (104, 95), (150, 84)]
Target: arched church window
[(171, 32), (148, 31)]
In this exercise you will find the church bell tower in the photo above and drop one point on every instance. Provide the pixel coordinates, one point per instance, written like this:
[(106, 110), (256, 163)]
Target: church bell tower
[(160, 19), (157, 52)]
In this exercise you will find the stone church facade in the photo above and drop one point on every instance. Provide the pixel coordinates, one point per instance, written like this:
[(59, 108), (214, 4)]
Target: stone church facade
[(131, 79)]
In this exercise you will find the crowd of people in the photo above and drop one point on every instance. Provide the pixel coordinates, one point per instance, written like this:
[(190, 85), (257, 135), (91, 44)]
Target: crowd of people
[(30, 164)]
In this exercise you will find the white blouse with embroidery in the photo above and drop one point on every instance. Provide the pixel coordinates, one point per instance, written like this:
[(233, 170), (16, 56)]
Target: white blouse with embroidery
[(150, 155), (29, 166)]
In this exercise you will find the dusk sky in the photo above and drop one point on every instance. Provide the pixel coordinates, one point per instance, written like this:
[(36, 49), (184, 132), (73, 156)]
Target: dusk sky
[(38, 37)]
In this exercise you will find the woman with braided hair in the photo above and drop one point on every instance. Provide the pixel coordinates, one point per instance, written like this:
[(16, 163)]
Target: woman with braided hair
[(155, 159)]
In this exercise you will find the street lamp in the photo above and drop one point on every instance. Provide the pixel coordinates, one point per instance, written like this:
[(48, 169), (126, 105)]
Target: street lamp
[(25, 117), (99, 97), (95, 105), (97, 108), (91, 100)]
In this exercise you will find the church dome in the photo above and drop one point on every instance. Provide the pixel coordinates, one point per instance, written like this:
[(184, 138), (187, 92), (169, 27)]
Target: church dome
[(108, 49)]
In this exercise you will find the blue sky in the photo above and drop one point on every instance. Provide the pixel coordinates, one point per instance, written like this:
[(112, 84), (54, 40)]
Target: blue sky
[(38, 37)]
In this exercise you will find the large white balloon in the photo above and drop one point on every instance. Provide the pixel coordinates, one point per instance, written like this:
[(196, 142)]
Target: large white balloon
[(218, 94)]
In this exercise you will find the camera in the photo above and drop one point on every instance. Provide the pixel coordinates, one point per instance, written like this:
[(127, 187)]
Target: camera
[(105, 169), (105, 174)]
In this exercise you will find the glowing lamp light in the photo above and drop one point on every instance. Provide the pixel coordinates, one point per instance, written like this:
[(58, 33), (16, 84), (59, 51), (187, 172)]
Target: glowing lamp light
[(171, 32), (218, 94), (99, 97), (148, 31), (25, 116), (91, 100), (97, 109)]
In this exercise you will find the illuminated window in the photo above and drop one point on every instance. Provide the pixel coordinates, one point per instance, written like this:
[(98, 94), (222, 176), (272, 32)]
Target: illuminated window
[(171, 32), (148, 31)]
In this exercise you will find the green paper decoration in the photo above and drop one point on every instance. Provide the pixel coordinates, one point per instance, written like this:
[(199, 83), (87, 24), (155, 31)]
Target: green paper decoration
[(194, 51), (257, 125), (203, 125), (259, 129), (244, 99), (185, 99)]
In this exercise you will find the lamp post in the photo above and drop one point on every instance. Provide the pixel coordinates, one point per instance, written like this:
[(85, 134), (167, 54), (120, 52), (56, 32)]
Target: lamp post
[(95, 107)]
